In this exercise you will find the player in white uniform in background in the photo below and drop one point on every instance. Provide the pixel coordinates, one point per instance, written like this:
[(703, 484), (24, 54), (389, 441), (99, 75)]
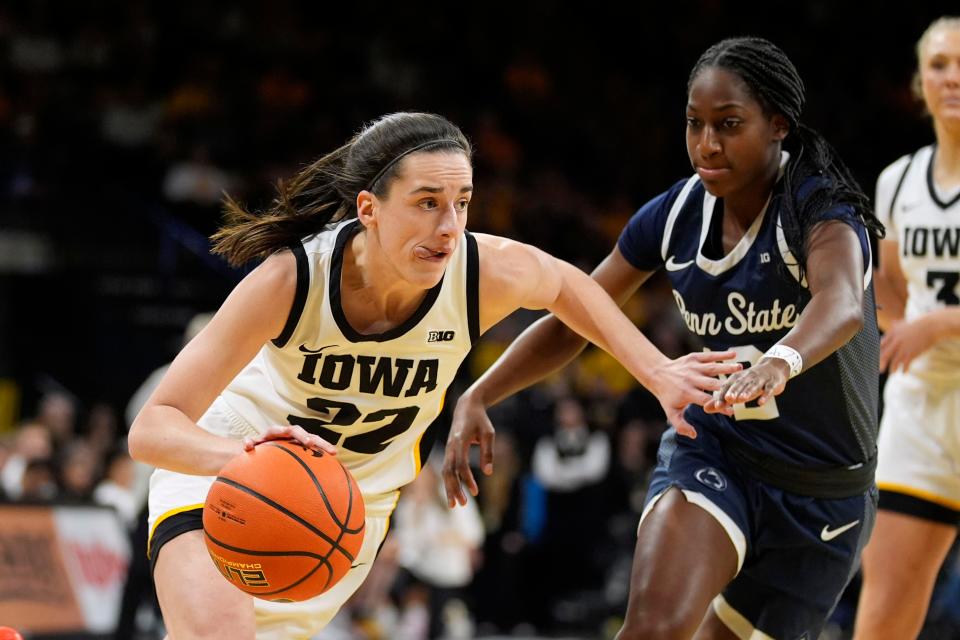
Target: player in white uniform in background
[(918, 290), (345, 338)]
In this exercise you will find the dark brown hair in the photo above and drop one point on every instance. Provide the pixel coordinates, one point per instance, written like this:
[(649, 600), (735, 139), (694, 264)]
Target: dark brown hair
[(775, 83), (326, 190)]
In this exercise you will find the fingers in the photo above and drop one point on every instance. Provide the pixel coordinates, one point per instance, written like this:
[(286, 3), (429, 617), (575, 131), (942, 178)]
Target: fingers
[(717, 405), (713, 356), (885, 353), (466, 473), (486, 451), (451, 481), (683, 427), (295, 433), (456, 470), (722, 369)]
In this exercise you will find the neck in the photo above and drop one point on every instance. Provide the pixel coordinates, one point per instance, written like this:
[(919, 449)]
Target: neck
[(373, 286), (744, 206)]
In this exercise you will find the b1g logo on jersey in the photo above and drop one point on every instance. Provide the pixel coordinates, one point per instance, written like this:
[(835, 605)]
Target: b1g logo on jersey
[(712, 478), (440, 336)]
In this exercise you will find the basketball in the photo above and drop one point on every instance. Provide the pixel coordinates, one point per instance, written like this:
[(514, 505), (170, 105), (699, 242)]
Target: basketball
[(6, 633), (284, 522)]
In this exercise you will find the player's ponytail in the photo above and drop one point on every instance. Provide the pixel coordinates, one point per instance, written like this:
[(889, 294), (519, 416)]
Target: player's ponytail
[(326, 190), (775, 83)]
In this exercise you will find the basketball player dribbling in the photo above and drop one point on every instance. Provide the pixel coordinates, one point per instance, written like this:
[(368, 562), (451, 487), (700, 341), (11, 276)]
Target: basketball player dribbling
[(918, 284), (754, 520), (345, 338)]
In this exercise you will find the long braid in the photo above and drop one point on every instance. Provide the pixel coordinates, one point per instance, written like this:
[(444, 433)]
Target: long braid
[(775, 83)]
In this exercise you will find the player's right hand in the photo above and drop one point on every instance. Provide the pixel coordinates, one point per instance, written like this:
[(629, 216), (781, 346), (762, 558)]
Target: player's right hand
[(290, 432), (690, 379), (470, 426)]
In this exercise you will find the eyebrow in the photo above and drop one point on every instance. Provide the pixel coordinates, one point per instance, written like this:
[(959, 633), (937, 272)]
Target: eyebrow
[(722, 107), (465, 189)]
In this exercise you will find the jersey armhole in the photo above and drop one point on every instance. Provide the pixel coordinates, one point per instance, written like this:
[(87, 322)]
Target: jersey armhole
[(299, 298), (473, 287), (896, 190)]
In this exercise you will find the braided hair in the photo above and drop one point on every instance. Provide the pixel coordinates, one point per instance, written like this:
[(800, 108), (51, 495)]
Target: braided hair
[(326, 190), (774, 83)]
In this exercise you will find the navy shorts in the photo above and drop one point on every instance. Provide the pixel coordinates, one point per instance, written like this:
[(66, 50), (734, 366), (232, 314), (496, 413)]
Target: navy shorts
[(796, 554)]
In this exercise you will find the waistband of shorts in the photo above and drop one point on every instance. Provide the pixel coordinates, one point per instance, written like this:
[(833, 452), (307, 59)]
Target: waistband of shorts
[(827, 482)]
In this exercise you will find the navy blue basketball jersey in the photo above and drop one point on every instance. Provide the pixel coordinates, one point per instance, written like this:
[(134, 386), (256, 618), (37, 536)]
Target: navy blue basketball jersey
[(747, 300)]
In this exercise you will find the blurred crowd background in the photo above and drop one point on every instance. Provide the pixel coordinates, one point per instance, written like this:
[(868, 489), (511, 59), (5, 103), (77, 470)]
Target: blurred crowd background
[(122, 124)]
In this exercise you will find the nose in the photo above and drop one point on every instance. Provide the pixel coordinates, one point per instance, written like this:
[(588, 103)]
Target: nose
[(709, 143), (953, 74), (447, 223)]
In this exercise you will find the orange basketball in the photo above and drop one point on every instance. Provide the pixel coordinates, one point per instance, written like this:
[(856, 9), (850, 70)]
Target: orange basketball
[(6, 633), (284, 522)]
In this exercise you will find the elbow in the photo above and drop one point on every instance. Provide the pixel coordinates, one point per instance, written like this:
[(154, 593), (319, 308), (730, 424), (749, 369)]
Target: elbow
[(852, 321), (138, 441)]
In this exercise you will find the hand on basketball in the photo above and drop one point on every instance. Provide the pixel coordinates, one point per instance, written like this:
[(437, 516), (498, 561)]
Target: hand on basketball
[(687, 380), (906, 340), (760, 382), (292, 432), (470, 426)]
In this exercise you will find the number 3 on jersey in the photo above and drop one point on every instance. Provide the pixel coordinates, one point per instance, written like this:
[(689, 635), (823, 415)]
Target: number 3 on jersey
[(747, 355)]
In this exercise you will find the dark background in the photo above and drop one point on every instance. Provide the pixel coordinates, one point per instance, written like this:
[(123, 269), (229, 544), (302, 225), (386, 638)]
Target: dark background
[(121, 121), (575, 111)]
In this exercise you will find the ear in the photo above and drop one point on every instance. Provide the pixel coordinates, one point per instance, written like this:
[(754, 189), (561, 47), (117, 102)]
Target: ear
[(781, 127), (367, 205)]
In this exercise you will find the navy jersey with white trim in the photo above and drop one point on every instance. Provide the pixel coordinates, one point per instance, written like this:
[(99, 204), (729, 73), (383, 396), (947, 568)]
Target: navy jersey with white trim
[(749, 299)]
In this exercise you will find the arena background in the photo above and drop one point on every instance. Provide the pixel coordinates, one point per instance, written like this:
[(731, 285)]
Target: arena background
[(122, 122)]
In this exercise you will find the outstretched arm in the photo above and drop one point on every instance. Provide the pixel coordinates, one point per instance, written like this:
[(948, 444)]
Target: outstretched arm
[(514, 275), (831, 318)]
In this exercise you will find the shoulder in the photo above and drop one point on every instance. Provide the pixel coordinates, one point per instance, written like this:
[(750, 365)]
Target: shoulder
[(501, 257), (279, 270)]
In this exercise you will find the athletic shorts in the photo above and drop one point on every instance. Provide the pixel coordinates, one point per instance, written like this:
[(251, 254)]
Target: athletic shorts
[(795, 554), (176, 507), (918, 466)]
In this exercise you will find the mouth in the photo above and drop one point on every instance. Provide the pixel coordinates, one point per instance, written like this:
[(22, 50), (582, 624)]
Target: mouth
[(708, 173), (430, 254)]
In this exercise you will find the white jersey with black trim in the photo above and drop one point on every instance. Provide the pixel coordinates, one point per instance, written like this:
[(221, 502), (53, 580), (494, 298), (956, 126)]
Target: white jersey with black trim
[(374, 396), (926, 224)]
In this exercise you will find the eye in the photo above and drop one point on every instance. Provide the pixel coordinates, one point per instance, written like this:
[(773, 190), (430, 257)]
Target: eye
[(462, 204), (692, 123), (427, 204), (732, 123)]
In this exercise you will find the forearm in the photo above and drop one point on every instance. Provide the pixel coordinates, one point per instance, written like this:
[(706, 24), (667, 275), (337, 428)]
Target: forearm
[(586, 308), (945, 322), (164, 437), (544, 347), (826, 324)]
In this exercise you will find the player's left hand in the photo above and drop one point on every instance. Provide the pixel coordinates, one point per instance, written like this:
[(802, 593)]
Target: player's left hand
[(904, 341), (760, 382)]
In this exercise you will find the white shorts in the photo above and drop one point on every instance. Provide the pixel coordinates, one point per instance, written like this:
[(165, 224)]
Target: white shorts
[(176, 504), (919, 444)]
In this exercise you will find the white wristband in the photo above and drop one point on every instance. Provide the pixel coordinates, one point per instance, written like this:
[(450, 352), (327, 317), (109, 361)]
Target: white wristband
[(789, 355)]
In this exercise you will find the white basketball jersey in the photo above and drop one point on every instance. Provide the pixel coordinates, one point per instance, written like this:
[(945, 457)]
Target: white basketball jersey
[(926, 224), (374, 396)]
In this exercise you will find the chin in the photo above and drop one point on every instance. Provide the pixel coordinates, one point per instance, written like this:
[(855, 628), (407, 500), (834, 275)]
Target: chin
[(718, 189)]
